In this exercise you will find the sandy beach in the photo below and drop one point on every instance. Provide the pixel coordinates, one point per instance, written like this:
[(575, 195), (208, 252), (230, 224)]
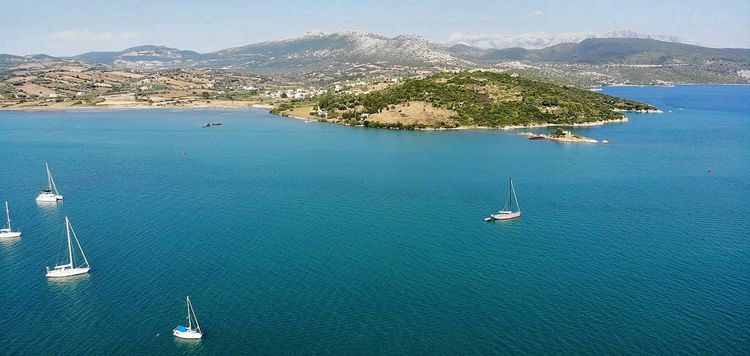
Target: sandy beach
[(215, 104)]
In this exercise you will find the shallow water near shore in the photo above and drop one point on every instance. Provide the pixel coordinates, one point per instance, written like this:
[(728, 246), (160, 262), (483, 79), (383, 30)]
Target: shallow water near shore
[(294, 237)]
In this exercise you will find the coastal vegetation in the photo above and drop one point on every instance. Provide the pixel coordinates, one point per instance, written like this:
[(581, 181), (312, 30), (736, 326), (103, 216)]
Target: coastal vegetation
[(559, 132), (472, 99)]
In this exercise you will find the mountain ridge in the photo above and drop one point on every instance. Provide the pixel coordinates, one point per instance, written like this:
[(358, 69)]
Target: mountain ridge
[(316, 55), (541, 40), (614, 50), (353, 44)]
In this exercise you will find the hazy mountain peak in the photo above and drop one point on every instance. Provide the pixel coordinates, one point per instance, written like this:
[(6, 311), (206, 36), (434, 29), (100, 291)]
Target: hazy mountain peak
[(345, 46), (539, 40)]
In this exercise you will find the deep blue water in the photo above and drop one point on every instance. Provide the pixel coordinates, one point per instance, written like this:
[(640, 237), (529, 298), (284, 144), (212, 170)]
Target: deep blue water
[(315, 238)]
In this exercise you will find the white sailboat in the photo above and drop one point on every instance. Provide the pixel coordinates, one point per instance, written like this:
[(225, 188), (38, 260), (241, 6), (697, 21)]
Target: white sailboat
[(508, 213), (49, 194), (191, 331), (70, 268), (7, 231)]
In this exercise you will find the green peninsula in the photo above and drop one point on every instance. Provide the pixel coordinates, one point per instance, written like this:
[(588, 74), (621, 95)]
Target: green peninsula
[(467, 100)]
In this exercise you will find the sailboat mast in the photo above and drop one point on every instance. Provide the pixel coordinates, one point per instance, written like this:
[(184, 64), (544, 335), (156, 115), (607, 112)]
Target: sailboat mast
[(514, 195), (49, 176), (197, 326), (52, 185), (70, 246), (7, 215), (85, 260), (190, 320)]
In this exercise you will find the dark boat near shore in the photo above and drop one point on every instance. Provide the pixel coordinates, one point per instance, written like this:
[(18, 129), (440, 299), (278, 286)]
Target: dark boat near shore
[(536, 137)]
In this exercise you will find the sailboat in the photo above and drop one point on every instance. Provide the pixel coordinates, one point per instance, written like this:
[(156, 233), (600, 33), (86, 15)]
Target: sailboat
[(508, 213), (49, 194), (70, 268), (7, 232), (188, 332)]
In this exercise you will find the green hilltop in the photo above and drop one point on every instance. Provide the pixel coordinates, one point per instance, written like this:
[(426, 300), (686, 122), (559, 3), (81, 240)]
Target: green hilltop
[(478, 98)]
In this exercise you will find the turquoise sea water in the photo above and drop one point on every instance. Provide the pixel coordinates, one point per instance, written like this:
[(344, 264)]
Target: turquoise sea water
[(315, 238)]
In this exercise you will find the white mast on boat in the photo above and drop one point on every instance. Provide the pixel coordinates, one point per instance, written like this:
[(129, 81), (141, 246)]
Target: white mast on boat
[(192, 312), (7, 216), (513, 191), (50, 181), (70, 245)]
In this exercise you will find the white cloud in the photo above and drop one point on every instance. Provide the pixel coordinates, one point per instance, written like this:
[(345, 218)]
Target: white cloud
[(538, 12), (88, 35)]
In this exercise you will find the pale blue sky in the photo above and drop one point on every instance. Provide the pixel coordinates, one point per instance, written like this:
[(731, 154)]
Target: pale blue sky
[(72, 27)]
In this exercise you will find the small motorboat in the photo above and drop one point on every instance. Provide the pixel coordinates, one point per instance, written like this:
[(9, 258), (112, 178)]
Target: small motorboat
[(536, 137)]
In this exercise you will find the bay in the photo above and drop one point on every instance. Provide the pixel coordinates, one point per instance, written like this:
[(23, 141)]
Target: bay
[(295, 237)]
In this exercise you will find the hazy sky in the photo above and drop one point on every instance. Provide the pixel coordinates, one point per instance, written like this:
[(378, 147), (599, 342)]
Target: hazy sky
[(63, 27)]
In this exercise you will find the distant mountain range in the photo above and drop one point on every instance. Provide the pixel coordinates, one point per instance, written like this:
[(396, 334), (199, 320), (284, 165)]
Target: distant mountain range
[(142, 54), (633, 51), (542, 40), (317, 50), (312, 51), (321, 52)]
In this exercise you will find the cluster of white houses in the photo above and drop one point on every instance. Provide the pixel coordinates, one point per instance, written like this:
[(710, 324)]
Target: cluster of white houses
[(299, 93)]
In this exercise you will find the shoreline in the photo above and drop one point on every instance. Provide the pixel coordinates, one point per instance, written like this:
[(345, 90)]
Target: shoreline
[(463, 128), (675, 84), (226, 105), (234, 105), (657, 111)]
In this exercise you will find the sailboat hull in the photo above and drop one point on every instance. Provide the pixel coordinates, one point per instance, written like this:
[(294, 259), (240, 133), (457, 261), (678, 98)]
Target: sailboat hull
[(507, 216), (66, 272), (187, 334), (11, 234), (48, 198)]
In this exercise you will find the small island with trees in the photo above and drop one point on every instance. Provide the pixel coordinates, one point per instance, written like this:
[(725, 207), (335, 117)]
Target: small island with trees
[(471, 99)]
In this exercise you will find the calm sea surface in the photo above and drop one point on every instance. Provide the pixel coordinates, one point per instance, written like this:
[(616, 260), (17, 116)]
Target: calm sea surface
[(315, 238)]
